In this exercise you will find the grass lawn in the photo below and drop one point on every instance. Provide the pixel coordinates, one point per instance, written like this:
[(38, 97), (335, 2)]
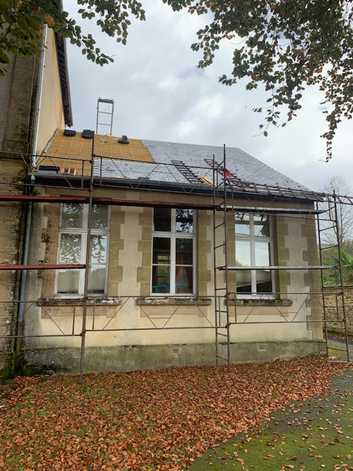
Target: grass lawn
[(164, 420), (312, 435)]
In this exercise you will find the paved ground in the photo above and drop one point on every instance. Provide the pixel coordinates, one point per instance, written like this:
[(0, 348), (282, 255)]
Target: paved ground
[(311, 436)]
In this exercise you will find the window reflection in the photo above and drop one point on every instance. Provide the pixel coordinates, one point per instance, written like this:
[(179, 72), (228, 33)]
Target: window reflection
[(72, 215), (70, 248), (184, 220)]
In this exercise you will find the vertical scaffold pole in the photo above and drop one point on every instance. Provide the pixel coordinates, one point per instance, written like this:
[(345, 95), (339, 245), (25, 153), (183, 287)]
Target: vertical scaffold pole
[(322, 274), (340, 275), (215, 185), (227, 297), (88, 265)]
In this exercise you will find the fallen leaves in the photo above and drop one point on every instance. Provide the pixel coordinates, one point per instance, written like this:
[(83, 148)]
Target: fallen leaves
[(160, 420)]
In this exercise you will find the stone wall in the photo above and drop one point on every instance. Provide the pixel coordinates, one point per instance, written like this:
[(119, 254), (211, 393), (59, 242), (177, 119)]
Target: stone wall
[(334, 311), (19, 89), (16, 98), (134, 321)]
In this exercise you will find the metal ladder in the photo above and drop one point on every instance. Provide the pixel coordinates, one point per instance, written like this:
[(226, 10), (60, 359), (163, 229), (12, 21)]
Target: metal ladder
[(186, 172), (221, 288), (327, 220)]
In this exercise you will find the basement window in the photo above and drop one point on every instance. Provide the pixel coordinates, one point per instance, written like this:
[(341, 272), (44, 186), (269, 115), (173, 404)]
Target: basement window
[(72, 249), (173, 257), (253, 247)]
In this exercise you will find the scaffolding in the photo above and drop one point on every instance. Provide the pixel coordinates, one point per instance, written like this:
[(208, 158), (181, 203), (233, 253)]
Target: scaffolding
[(220, 196)]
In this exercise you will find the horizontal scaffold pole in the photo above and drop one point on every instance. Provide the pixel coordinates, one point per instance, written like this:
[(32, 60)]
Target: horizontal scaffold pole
[(283, 267), (43, 266)]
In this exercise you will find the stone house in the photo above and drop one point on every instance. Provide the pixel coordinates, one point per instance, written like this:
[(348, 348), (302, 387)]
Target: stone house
[(142, 214), (151, 283)]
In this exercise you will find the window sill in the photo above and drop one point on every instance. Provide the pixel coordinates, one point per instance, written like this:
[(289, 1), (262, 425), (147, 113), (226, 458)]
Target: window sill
[(173, 301), (77, 301), (261, 302)]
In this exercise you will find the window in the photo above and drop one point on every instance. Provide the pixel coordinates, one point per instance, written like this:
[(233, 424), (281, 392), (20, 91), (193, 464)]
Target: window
[(72, 248), (253, 248), (173, 267)]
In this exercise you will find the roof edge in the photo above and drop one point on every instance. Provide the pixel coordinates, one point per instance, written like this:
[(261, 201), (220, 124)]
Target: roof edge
[(64, 78)]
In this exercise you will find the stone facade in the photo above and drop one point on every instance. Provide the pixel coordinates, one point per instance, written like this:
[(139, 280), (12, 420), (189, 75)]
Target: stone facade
[(132, 320), (334, 311)]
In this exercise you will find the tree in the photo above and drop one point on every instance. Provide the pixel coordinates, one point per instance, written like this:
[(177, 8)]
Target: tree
[(21, 24), (344, 214), (284, 45), (347, 265)]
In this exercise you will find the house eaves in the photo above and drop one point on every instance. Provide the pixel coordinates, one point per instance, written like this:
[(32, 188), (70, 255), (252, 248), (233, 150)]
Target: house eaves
[(64, 78)]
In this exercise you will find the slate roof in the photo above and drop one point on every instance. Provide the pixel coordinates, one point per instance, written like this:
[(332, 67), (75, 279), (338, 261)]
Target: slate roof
[(168, 165), (248, 174)]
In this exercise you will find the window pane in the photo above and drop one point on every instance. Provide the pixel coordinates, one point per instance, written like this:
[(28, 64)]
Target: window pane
[(99, 217), (96, 281), (98, 250), (71, 216), (262, 254), (162, 219), (261, 226), (184, 220), (242, 224), (184, 251), (263, 282), (161, 279), (161, 250), (70, 248), (243, 281), (184, 280), (68, 281), (242, 253)]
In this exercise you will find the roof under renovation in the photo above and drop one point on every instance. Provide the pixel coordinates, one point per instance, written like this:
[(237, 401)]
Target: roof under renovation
[(127, 160)]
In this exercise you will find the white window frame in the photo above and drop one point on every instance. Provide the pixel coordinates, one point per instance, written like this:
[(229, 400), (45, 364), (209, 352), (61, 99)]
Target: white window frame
[(173, 235), (252, 238), (82, 231)]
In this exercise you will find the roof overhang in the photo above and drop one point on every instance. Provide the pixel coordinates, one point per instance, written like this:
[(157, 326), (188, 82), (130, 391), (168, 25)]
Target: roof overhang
[(70, 181), (63, 73), (64, 78)]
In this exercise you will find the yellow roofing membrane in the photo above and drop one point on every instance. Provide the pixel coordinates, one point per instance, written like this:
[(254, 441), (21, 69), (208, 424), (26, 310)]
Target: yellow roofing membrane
[(68, 152)]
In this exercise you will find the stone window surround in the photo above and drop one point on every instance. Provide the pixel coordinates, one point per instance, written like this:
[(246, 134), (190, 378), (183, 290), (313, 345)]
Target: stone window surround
[(173, 235), (82, 231), (252, 238)]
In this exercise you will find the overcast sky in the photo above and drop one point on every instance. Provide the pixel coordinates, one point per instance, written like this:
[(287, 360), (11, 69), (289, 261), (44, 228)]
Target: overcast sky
[(160, 94)]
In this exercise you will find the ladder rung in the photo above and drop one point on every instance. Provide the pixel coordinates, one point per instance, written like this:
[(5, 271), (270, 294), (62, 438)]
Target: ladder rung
[(223, 335), (219, 289), (219, 225), (327, 228), (326, 247), (219, 246)]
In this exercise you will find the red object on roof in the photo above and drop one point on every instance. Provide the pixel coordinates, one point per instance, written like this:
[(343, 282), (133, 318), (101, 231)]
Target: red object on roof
[(227, 173)]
